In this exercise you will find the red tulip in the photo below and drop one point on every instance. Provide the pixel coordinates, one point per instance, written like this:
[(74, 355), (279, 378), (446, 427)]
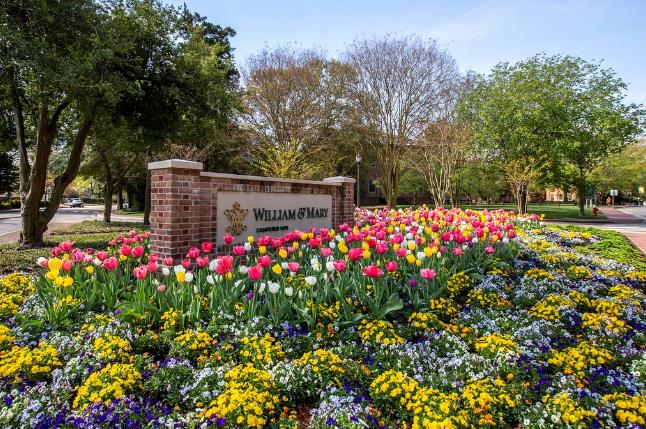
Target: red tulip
[(125, 250), (264, 261), (355, 253), (67, 265), (228, 238)]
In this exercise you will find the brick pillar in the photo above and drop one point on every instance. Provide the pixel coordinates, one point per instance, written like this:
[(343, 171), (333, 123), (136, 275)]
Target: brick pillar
[(342, 200), (179, 207)]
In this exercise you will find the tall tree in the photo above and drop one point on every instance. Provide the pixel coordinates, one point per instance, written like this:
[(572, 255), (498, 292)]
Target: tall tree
[(67, 65), (291, 98), (397, 88)]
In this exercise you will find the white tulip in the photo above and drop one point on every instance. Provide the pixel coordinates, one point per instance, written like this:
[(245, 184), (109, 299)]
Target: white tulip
[(505, 240), (439, 254), (465, 247), (214, 264), (421, 256), (247, 246), (289, 291), (273, 287), (97, 262), (329, 266), (179, 269), (165, 271), (409, 236), (40, 261), (310, 280), (262, 287), (284, 265), (210, 279), (475, 239), (243, 269), (332, 245), (189, 277)]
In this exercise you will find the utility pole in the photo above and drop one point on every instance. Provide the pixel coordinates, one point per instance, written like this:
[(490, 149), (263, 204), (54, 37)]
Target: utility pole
[(358, 159)]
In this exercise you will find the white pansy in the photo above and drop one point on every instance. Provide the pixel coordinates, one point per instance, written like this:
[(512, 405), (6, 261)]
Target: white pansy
[(310, 280), (289, 291)]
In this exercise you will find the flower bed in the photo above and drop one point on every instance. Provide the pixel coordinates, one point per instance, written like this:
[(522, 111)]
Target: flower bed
[(407, 319)]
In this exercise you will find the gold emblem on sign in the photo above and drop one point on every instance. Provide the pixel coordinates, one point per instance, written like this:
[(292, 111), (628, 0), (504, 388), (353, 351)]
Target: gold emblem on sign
[(236, 217)]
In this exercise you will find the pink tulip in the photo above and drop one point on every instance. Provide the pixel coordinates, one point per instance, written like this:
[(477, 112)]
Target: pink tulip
[(193, 253), (67, 265), (43, 263), (391, 266), (66, 246), (457, 251), (138, 252), (381, 248), (168, 261), (339, 265), (152, 266), (77, 255), (125, 250), (355, 253), (140, 272), (401, 252), (153, 257), (264, 261), (101, 256), (489, 250), (225, 265), (372, 271), (293, 266), (326, 251), (202, 261), (238, 250), (254, 272), (186, 263), (111, 263), (427, 273), (207, 246), (161, 288)]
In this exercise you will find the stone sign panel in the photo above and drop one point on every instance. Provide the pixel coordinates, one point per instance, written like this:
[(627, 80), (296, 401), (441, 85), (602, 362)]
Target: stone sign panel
[(255, 213)]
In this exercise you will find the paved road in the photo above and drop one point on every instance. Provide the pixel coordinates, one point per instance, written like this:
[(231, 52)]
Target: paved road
[(10, 219)]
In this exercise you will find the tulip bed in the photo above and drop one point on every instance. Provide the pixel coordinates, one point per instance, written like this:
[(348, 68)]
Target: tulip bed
[(406, 319)]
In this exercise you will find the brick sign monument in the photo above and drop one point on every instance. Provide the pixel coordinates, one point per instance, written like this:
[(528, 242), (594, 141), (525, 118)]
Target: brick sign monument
[(189, 205)]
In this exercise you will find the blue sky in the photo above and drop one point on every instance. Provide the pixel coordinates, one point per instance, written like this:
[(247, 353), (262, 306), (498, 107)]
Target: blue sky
[(478, 34)]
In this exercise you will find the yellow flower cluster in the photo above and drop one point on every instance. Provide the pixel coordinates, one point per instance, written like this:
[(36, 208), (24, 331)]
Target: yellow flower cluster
[(626, 293), (329, 312), (458, 283), (33, 363), (496, 343), (577, 272), (324, 363), (541, 245), (260, 350), (488, 401), (580, 300), (247, 400), (443, 307), (487, 299), (575, 234), (112, 347), (104, 385), (379, 332), (548, 308), (169, 318), (639, 276), (604, 322), (571, 413), (395, 386), (628, 408), (55, 265), (194, 339), (576, 360), (13, 290), (99, 319), (607, 306), (425, 321), (67, 301), (539, 274), (6, 337)]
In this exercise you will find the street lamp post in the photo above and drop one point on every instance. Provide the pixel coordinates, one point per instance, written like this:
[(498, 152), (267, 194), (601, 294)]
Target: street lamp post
[(358, 159)]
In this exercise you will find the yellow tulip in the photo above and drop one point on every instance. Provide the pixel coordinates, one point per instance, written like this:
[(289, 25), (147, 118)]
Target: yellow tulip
[(277, 269), (410, 258), (54, 264)]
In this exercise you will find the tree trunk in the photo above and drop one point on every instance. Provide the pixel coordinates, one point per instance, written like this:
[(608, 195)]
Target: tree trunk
[(581, 198), (120, 196), (107, 201)]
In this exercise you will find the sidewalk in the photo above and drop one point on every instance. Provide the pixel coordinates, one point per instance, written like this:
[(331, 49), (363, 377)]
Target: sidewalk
[(616, 215)]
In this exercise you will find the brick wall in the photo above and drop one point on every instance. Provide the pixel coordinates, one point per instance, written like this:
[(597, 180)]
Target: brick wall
[(184, 201)]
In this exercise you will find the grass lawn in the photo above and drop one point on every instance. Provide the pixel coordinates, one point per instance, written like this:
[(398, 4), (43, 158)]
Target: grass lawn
[(89, 233), (128, 213), (551, 211), (613, 245)]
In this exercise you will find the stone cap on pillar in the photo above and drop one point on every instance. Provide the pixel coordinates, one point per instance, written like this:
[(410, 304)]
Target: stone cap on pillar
[(339, 179), (176, 163)]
